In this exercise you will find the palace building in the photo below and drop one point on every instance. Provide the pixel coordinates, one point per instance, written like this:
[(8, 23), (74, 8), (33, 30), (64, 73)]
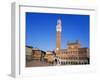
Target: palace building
[(74, 53), (34, 54), (29, 53), (49, 57), (38, 54)]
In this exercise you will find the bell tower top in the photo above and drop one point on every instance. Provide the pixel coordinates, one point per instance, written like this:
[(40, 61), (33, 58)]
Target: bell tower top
[(58, 26), (59, 21)]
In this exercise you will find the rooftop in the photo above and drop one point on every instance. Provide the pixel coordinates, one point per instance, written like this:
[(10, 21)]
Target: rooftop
[(29, 46), (73, 43)]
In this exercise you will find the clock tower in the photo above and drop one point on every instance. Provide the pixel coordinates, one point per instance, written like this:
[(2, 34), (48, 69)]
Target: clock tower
[(58, 36)]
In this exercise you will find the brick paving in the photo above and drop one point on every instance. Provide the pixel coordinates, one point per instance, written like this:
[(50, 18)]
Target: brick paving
[(35, 63)]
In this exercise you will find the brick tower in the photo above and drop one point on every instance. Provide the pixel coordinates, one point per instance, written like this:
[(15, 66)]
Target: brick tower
[(58, 36)]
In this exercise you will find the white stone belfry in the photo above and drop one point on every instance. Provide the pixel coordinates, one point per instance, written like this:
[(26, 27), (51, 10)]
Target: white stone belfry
[(58, 26)]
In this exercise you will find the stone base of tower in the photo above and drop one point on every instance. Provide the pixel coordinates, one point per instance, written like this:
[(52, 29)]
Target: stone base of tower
[(58, 54)]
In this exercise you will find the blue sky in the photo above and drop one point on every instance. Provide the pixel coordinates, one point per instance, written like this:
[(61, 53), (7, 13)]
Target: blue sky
[(41, 29)]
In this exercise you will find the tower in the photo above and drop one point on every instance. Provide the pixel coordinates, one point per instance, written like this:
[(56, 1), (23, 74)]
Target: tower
[(58, 36)]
